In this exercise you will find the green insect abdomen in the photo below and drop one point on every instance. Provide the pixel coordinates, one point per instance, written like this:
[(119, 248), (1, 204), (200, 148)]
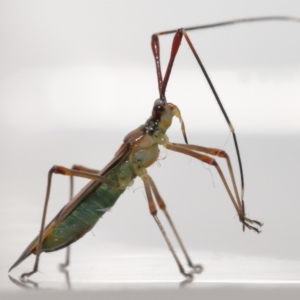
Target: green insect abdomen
[(83, 218)]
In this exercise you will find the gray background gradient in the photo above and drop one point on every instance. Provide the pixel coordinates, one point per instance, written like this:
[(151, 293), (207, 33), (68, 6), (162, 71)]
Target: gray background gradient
[(77, 76)]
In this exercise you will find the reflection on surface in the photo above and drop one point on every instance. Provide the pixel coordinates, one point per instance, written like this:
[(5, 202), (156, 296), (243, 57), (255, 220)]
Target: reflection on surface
[(23, 283), (63, 269), (27, 283), (113, 272)]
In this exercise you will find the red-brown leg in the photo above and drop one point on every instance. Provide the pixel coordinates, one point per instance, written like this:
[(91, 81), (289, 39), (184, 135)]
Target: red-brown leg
[(186, 149), (163, 80), (152, 207), (162, 206), (67, 172)]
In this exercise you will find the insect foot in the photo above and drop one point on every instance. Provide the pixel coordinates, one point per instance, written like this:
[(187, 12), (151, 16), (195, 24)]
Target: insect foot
[(197, 269), (246, 222)]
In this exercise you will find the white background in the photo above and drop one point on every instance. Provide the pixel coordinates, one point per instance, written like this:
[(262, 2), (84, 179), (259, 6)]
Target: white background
[(77, 76)]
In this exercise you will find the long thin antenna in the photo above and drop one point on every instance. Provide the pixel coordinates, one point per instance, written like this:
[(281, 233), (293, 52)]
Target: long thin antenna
[(163, 81)]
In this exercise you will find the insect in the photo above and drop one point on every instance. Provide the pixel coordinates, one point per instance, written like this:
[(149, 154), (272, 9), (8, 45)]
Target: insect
[(139, 150)]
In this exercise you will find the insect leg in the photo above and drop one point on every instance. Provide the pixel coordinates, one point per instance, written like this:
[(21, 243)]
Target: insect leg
[(219, 153), (162, 206), (152, 207), (163, 81), (186, 149), (221, 107), (85, 169), (68, 250), (82, 169), (67, 172)]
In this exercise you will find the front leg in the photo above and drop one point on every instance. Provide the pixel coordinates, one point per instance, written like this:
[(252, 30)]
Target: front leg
[(193, 151)]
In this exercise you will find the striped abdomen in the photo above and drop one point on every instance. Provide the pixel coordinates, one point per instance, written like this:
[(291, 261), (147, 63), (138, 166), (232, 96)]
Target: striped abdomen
[(83, 218)]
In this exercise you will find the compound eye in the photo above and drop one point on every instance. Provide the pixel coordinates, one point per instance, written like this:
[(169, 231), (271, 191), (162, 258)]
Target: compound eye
[(158, 108)]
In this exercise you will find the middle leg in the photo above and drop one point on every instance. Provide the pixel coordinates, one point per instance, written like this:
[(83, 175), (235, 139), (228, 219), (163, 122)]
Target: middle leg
[(152, 207), (197, 268)]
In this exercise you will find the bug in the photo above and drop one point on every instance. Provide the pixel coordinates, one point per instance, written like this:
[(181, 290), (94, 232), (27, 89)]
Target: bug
[(139, 150)]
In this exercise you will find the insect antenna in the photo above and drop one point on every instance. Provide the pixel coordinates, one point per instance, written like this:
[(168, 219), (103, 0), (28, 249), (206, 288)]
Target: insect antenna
[(163, 81)]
